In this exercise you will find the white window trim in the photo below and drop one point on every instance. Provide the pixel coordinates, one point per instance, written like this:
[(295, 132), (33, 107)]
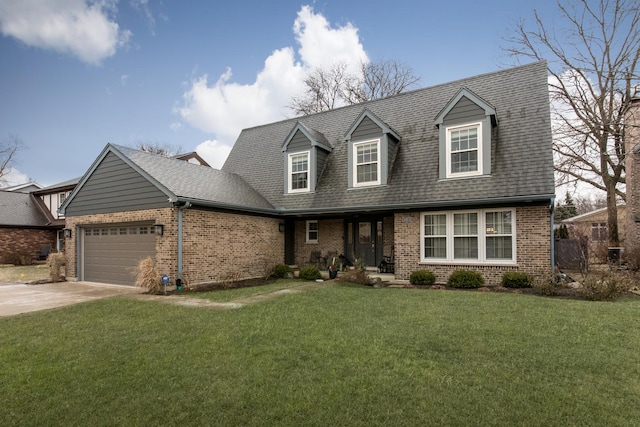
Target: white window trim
[(317, 230), (290, 172), (449, 174), (482, 239), (355, 164)]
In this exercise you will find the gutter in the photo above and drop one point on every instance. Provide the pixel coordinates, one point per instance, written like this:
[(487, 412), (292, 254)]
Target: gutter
[(186, 205), (552, 210)]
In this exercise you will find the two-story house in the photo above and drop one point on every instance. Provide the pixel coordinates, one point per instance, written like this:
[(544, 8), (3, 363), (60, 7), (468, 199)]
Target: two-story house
[(458, 175)]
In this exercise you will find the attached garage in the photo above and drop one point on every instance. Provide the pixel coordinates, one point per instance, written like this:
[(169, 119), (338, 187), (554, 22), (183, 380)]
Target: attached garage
[(110, 253)]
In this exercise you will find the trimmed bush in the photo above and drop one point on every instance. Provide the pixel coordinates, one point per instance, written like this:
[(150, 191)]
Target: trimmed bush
[(465, 279), (515, 279), (56, 261), (18, 258), (148, 277), (422, 278), (310, 272), (280, 271)]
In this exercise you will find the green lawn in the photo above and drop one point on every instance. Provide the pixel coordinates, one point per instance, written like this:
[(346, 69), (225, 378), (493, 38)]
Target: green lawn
[(23, 274), (341, 355)]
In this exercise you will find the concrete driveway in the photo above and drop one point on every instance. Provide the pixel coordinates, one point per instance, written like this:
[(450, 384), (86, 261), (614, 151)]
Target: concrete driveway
[(17, 299)]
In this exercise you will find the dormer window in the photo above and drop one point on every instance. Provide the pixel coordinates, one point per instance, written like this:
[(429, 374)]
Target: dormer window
[(299, 175), (464, 150), (305, 154), (367, 164), (465, 129)]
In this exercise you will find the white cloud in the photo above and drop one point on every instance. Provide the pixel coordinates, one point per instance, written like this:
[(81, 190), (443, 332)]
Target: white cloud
[(13, 176), (224, 108), (82, 28), (213, 152)]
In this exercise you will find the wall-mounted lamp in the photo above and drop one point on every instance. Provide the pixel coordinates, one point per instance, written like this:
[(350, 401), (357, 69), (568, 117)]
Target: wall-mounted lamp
[(281, 227), (158, 229), (67, 233)]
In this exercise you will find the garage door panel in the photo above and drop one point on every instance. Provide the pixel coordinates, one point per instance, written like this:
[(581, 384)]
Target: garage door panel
[(111, 253)]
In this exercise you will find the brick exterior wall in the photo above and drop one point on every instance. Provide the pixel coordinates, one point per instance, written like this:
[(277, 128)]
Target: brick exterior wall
[(533, 240), (598, 250), (24, 240), (216, 246), (632, 165), (330, 239)]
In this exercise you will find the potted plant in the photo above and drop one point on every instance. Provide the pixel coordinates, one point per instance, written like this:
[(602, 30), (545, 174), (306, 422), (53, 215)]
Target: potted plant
[(334, 266)]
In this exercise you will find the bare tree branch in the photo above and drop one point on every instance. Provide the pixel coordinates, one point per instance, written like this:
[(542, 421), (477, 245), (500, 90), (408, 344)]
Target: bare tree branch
[(592, 65), (330, 88), (8, 149)]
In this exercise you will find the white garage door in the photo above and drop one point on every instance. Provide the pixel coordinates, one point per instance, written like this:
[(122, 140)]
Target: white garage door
[(111, 253)]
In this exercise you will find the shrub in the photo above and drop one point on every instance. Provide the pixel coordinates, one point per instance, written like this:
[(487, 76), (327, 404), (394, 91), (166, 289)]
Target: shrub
[(514, 279), (18, 258), (356, 276), (422, 278), (465, 279), (281, 271), (547, 286), (148, 277), (310, 272), (56, 261), (605, 285)]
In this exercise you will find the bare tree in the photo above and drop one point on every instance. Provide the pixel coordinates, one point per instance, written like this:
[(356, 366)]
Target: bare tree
[(8, 149), (330, 88), (165, 150), (592, 62)]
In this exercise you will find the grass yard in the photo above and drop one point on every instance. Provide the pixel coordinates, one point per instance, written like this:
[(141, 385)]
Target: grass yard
[(23, 274), (341, 355)]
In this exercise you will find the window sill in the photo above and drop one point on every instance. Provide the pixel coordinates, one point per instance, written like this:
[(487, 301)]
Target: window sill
[(457, 178), (471, 262)]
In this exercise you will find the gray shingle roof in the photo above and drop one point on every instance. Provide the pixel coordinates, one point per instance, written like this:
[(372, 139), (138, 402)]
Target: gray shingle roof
[(196, 182), (20, 209), (522, 163)]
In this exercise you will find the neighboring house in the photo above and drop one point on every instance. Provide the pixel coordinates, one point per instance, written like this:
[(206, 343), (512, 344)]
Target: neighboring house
[(25, 226), (593, 226), (27, 187), (192, 157), (453, 176), (52, 198)]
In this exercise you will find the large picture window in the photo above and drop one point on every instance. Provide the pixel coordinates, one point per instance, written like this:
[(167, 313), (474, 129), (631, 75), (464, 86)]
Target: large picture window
[(482, 236), (299, 172), (464, 150), (366, 163)]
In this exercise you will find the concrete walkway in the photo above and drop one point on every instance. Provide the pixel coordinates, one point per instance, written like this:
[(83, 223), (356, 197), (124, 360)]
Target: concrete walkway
[(17, 299), (237, 303)]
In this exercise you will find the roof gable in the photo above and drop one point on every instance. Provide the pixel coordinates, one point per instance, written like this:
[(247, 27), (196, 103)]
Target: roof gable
[(466, 93), (316, 138), (366, 113), (173, 181)]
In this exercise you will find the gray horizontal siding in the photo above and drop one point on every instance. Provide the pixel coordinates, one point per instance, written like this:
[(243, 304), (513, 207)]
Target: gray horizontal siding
[(115, 187), (299, 142), (464, 111), (366, 129)]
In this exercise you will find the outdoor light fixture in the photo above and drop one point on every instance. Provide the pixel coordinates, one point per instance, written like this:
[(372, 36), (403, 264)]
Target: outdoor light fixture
[(281, 227), (67, 233), (158, 229)]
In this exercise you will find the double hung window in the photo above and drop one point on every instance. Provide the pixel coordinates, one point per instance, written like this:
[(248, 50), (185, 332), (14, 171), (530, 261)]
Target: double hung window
[(464, 150), (482, 236), (299, 172), (366, 163)]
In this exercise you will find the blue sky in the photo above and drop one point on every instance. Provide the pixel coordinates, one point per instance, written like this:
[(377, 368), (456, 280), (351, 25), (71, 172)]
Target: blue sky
[(78, 74)]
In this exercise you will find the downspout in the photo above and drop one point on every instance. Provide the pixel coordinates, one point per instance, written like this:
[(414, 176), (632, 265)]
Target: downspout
[(552, 210), (187, 205)]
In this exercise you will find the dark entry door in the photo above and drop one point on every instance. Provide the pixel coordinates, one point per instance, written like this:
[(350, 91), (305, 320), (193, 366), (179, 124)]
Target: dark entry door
[(364, 240)]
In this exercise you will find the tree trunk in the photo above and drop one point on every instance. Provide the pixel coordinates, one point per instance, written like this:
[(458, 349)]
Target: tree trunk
[(612, 214)]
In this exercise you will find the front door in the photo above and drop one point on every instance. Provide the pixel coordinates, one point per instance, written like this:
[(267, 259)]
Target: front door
[(364, 240)]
